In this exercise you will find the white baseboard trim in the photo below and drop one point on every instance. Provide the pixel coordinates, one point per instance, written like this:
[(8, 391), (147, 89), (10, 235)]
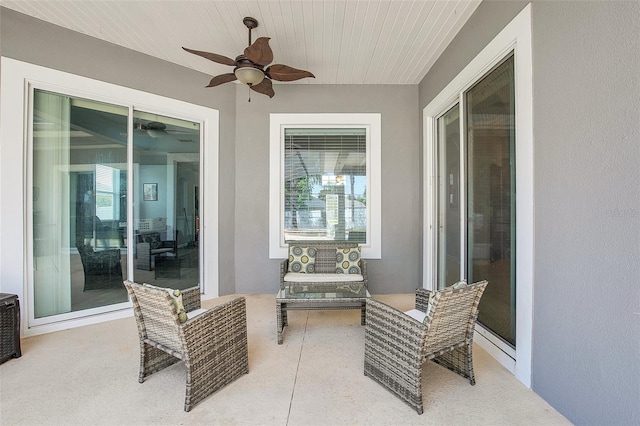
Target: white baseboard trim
[(503, 358)]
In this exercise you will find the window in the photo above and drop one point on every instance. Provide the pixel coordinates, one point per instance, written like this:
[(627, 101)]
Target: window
[(325, 180), (325, 184), (107, 192)]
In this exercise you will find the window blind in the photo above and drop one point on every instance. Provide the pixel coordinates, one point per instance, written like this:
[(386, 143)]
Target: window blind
[(325, 175)]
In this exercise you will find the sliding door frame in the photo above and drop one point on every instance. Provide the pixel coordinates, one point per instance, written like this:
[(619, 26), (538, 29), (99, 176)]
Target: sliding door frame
[(19, 79), (516, 38)]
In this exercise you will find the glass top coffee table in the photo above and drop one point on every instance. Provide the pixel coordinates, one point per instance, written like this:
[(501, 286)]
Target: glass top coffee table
[(302, 299)]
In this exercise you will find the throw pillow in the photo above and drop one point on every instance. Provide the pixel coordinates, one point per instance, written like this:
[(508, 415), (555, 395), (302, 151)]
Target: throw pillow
[(348, 260), (432, 294), (302, 259), (459, 284), (176, 299), (153, 240)]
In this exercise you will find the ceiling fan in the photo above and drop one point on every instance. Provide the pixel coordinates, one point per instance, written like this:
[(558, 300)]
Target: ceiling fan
[(250, 66), (157, 129)]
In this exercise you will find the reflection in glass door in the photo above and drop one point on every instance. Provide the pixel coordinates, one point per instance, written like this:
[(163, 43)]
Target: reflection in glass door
[(81, 248), (448, 205), (166, 179), (491, 197), (79, 184)]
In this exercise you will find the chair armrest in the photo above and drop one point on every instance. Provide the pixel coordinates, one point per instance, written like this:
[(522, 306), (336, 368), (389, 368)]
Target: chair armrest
[(284, 268), (393, 338), (422, 299), (363, 270), (191, 298), (216, 330), (115, 252), (168, 244), (104, 258)]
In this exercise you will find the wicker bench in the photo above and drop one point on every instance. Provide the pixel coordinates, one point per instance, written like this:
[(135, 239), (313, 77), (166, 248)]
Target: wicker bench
[(324, 279)]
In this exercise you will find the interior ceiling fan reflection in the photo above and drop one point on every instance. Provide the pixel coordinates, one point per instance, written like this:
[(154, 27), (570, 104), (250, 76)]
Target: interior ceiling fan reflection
[(154, 129)]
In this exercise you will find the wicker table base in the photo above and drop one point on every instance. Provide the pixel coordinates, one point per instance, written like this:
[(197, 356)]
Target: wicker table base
[(286, 301)]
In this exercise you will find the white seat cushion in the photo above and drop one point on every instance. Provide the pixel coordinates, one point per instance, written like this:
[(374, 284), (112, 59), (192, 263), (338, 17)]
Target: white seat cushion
[(296, 277), (195, 313), (416, 314)]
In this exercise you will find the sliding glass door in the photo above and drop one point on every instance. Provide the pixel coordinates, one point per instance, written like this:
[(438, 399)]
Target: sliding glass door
[(448, 217), (79, 203), (88, 178), (166, 176), (490, 197), (475, 199)]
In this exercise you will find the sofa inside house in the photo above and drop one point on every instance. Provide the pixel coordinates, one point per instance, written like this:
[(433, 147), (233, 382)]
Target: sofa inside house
[(150, 245)]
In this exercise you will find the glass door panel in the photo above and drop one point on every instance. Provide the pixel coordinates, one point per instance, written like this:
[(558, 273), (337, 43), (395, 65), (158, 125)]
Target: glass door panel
[(490, 115), (79, 203), (448, 198), (166, 181)]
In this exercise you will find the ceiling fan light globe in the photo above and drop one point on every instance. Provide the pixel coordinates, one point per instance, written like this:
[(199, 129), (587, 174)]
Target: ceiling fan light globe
[(249, 75)]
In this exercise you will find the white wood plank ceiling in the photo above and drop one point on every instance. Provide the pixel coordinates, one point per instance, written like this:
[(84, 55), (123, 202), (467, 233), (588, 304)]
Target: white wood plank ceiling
[(340, 41)]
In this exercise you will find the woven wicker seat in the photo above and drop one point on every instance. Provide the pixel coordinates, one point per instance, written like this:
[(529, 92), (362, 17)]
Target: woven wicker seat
[(397, 345), (213, 344)]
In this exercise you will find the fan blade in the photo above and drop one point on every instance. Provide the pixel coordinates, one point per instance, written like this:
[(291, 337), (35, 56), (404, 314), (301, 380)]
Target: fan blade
[(265, 87), (222, 78), (286, 73), (212, 57), (259, 52)]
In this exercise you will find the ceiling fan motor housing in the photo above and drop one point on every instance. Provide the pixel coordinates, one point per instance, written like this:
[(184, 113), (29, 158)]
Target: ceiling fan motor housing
[(242, 62)]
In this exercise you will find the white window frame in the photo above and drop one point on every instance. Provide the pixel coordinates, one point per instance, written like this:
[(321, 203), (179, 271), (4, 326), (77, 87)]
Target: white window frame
[(372, 123), (516, 37), (19, 80)]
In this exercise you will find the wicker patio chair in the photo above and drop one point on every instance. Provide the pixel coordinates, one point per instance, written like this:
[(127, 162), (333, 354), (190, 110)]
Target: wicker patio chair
[(212, 344), (397, 345)]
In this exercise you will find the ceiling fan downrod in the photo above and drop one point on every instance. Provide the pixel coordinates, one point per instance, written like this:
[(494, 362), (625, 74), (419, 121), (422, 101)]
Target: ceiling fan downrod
[(250, 23)]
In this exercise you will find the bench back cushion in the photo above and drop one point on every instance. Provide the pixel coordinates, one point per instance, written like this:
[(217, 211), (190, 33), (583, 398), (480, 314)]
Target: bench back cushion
[(302, 259), (348, 261), (152, 238), (325, 261)]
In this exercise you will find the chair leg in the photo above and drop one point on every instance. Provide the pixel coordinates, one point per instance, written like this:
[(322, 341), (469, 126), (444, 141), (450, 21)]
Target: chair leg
[(405, 382), (153, 360), (460, 361), (392, 355), (207, 378), (217, 364)]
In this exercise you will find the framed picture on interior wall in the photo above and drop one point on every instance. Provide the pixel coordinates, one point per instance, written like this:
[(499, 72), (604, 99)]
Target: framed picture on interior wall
[(150, 191)]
